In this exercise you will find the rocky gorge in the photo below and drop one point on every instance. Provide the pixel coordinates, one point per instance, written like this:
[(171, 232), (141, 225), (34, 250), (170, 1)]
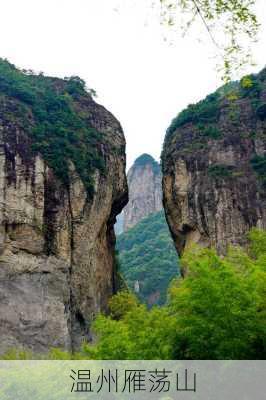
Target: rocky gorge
[(63, 183)]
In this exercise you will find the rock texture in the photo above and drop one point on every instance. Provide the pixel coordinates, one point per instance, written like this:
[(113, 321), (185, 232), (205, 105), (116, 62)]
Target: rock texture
[(56, 245), (145, 190), (214, 167)]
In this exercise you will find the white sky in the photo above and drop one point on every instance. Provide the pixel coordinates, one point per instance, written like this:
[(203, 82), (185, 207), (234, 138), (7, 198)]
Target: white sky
[(139, 77)]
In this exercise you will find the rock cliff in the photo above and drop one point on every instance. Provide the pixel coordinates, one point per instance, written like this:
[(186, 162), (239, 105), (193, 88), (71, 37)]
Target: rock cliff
[(214, 166), (145, 190), (62, 183)]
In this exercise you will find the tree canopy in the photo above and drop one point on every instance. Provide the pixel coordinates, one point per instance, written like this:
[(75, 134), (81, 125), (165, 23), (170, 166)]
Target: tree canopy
[(217, 312)]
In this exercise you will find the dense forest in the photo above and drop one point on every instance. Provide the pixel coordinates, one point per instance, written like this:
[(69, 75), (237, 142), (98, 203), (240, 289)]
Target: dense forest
[(148, 259)]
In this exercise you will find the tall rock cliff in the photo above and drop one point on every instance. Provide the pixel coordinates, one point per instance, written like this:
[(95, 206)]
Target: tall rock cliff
[(62, 183), (214, 166), (145, 190)]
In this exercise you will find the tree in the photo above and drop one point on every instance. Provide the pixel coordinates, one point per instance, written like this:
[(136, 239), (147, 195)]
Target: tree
[(220, 306), (217, 312), (132, 332), (231, 25)]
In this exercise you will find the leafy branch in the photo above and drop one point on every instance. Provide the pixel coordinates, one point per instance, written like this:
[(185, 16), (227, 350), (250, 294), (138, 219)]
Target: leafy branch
[(232, 26)]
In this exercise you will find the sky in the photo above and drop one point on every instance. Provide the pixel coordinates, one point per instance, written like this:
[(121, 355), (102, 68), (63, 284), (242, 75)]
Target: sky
[(119, 49)]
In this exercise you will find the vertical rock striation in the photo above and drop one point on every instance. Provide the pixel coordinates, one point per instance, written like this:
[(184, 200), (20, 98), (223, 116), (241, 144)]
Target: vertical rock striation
[(145, 190), (214, 167), (56, 238)]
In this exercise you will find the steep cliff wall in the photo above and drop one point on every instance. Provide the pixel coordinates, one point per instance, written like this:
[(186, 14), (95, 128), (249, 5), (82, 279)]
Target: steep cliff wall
[(145, 190), (62, 183), (214, 166)]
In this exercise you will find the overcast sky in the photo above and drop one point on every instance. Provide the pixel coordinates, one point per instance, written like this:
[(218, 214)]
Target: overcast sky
[(121, 53)]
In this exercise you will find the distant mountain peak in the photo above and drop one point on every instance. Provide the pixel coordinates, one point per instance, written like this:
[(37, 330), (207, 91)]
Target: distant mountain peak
[(144, 159), (145, 190), (147, 159)]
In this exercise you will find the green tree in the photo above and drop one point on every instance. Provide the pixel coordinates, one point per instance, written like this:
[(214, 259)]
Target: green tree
[(138, 334), (231, 25), (217, 312), (218, 306)]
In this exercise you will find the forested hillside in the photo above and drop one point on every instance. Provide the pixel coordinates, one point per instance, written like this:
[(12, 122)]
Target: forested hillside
[(148, 259)]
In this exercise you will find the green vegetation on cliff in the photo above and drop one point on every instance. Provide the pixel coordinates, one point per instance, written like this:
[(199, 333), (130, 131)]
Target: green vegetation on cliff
[(147, 159), (206, 113), (147, 256), (206, 110), (58, 130), (259, 165), (219, 171)]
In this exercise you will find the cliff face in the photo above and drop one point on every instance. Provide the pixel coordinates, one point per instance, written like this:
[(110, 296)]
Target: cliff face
[(214, 167), (145, 190), (56, 232)]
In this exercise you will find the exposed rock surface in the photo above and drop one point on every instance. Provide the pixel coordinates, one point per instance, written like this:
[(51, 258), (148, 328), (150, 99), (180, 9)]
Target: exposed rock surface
[(56, 244), (145, 190), (214, 167)]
